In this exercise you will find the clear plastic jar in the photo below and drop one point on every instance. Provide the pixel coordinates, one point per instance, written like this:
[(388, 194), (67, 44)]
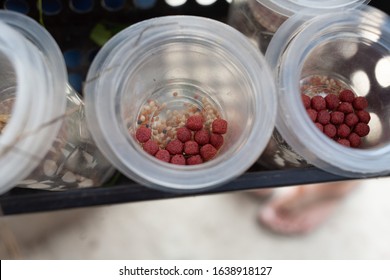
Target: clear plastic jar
[(348, 49), (259, 19), (167, 64), (44, 141)]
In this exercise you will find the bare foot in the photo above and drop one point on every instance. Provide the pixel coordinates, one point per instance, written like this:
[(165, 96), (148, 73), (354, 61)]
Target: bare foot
[(302, 209)]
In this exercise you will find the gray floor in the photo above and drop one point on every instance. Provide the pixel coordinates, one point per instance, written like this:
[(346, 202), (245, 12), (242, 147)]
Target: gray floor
[(206, 227)]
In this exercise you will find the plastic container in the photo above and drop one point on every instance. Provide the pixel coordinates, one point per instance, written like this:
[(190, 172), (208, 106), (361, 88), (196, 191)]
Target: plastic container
[(352, 48), (44, 141), (259, 19), (182, 61)]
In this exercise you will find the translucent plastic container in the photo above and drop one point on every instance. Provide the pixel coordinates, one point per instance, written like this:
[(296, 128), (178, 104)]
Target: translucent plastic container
[(259, 19), (349, 49), (44, 141), (175, 62)]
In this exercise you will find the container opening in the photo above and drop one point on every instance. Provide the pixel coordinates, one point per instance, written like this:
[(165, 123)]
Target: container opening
[(362, 66), (181, 80)]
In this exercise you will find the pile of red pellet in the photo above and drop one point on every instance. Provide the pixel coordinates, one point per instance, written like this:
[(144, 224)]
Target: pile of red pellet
[(341, 117), (193, 143)]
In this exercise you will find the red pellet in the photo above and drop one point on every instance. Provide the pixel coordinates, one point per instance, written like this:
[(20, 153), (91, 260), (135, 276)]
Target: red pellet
[(216, 140), (195, 123), (337, 117), (343, 130), (344, 142), (320, 126), (323, 117), (178, 159), (362, 129), (151, 147), (219, 126), (175, 147), (191, 148), (332, 101), (351, 119), (208, 152), (330, 130), (318, 103), (183, 134), (363, 116), (194, 160), (354, 140), (341, 117), (143, 134), (306, 101), (345, 107), (347, 96), (360, 103), (312, 114), (163, 155), (202, 137)]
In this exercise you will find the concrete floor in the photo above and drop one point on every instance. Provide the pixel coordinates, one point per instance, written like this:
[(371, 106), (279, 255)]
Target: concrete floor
[(206, 227)]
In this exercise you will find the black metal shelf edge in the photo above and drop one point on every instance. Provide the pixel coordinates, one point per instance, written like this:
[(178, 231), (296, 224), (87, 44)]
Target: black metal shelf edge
[(20, 201)]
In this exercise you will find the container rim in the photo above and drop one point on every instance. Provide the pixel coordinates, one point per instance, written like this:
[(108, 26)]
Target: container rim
[(289, 7)]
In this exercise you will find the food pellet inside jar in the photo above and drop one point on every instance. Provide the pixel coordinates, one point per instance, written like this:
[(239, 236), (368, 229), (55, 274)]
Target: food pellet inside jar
[(180, 120), (336, 109)]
